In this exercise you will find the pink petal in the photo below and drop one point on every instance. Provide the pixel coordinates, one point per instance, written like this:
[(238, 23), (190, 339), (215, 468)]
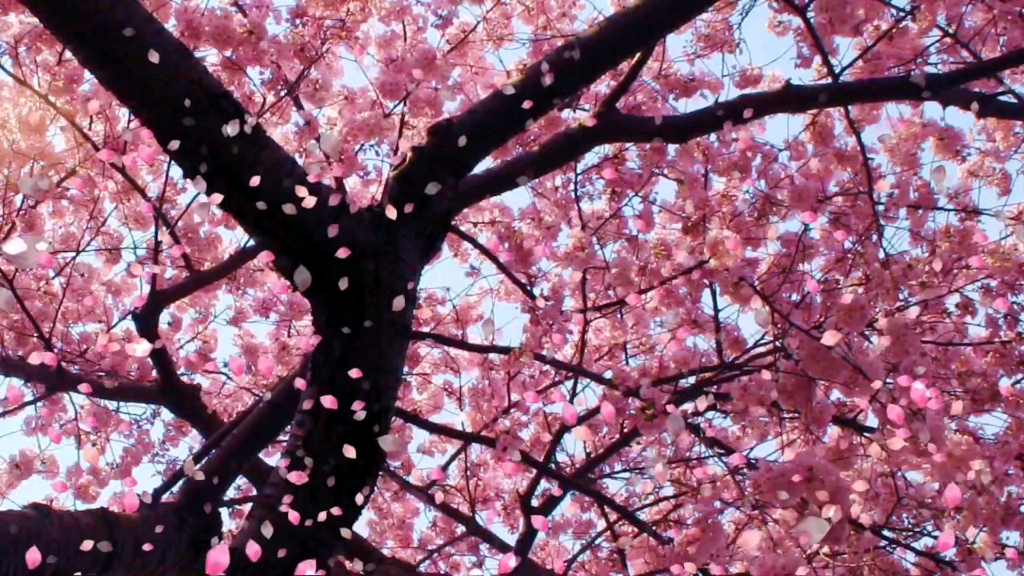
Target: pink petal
[(329, 402), (358, 405), (294, 517), (355, 373), (634, 299), (438, 475), (896, 414), (265, 365), (919, 395), (946, 540), (608, 412), (33, 558), (147, 154), (569, 414), (253, 550), (217, 560), (952, 496), (106, 155), (831, 337), (297, 477), (306, 567), (812, 286), (507, 563), (131, 502), (236, 365), (1001, 304), (531, 397), (540, 523), (300, 384)]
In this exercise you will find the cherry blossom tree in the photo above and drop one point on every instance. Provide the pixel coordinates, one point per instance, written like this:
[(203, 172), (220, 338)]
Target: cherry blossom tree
[(526, 288)]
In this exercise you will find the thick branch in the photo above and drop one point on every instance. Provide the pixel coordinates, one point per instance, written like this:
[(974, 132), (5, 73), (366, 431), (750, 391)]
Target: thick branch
[(202, 126), (115, 541), (456, 145), (944, 88)]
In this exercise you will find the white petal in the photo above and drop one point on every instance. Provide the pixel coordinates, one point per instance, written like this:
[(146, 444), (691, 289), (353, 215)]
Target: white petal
[(302, 278)]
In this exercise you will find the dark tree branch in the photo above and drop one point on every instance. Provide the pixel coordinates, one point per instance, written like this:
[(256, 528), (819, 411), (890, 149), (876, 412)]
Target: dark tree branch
[(501, 266), (196, 281), (506, 350), (621, 88), (944, 88), (565, 480), (456, 145), (116, 540)]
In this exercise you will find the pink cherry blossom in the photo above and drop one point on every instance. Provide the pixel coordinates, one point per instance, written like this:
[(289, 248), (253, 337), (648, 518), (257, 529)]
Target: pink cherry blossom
[(522, 276)]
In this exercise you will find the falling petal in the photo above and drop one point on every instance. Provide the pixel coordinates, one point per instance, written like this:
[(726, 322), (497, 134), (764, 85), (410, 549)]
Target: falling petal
[(539, 523), (750, 540), (236, 365), (831, 338), (267, 529), (297, 477), (253, 550), (531, 397), (608, 412), (390, 443), (896, 414), (91, 455), (131, 502), (306, 568), (812, 529), (355, 373), (349, 451), (217, 560), (569, 414), (33, 558), (302, 278), (507, 563), (329, 402), (946, 540), (939, 175), (952, 496), (398, 303)]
